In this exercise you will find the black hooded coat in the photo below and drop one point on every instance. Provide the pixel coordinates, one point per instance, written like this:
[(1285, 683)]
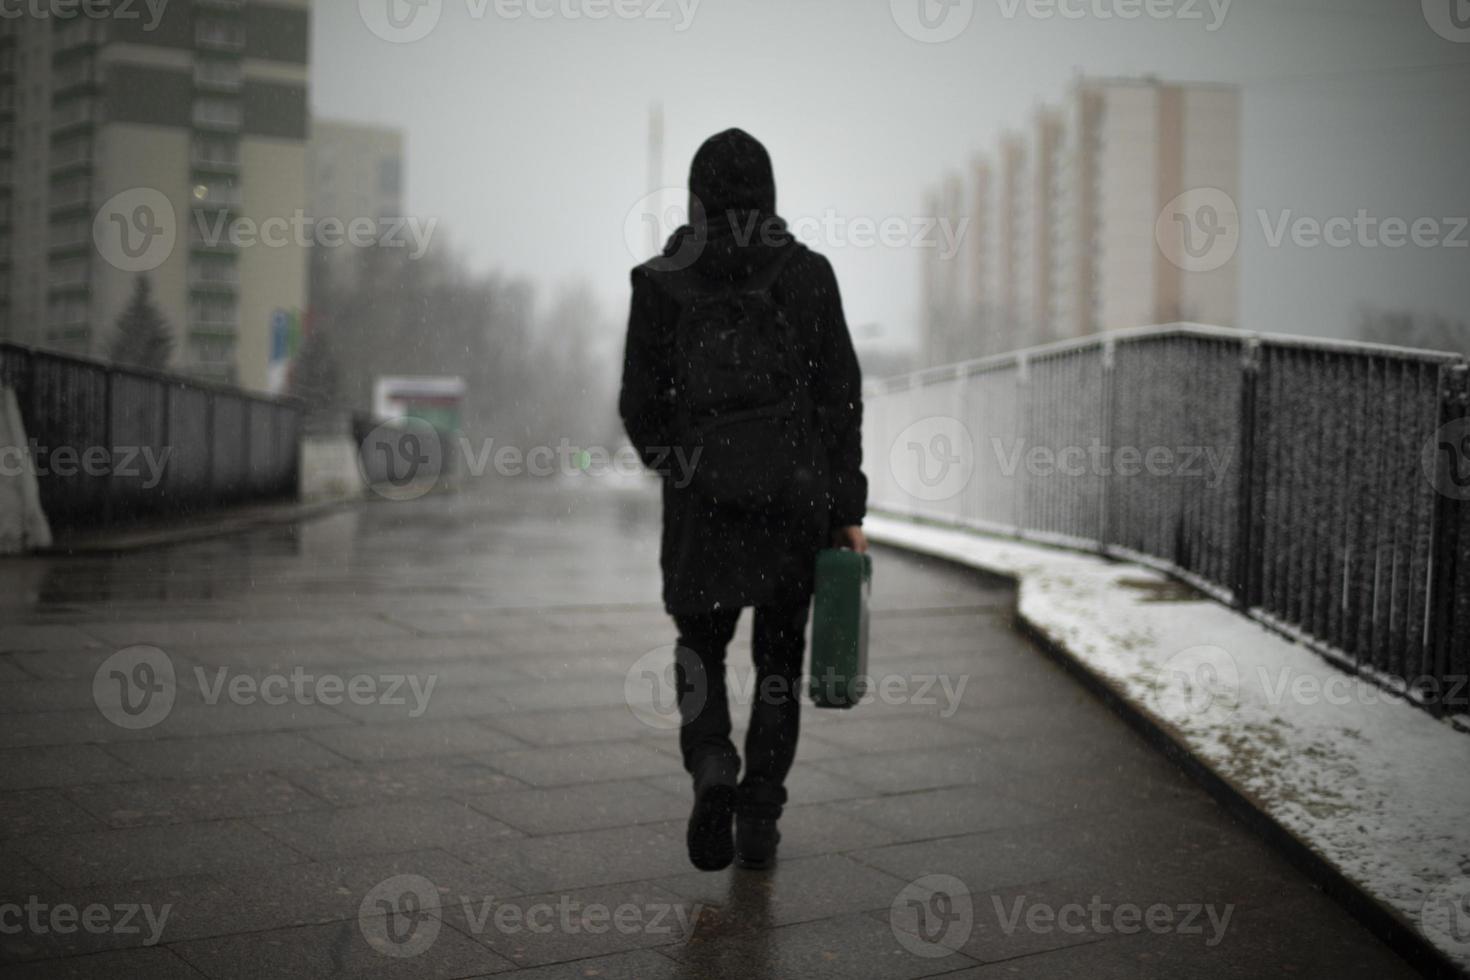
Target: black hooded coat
[(713, 557)]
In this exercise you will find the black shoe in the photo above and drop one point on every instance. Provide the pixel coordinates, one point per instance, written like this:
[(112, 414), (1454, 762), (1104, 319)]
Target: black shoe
[(711, 847), (755, 843)]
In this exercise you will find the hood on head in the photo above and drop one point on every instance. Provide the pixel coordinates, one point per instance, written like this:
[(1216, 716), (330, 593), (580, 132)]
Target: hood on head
[(733, 225), (731, 172)]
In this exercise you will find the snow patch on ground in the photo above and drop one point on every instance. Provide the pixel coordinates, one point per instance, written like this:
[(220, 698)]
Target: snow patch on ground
[(1379, 788)]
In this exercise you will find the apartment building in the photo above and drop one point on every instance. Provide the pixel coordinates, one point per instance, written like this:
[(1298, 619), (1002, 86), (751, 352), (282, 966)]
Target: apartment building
[(1062, 242), (356, 171), (141, 146)]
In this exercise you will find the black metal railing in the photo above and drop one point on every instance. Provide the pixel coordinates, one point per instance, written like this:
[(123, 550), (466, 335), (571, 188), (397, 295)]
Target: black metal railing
[(1320, 486), (113, 443)]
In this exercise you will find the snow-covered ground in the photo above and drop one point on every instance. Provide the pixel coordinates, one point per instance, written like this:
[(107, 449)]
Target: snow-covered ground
[(1377, 787)]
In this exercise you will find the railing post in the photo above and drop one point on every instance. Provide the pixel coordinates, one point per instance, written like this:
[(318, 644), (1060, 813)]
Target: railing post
[(1243, 577), (1021, 486), (108, 442), (1449, 608), (1105, 430)]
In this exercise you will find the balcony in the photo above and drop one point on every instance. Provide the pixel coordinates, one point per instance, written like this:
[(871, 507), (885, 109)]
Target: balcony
[(220, 35), (216, 157), (219, 76), (214, 277), (223, 116), (218, 323)]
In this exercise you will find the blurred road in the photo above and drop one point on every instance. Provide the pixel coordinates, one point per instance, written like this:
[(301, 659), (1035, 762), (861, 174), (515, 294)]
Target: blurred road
[(410, 740)]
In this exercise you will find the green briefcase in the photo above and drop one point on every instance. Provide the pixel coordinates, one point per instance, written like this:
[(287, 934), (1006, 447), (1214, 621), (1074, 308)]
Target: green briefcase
[(839, 674)]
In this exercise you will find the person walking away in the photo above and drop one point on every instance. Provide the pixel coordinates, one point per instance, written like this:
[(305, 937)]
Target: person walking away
[(741, 388)]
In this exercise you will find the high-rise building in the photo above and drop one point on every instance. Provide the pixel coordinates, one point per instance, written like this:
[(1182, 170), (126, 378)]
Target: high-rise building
[(356, 171), (167, 141), (1062, 239)]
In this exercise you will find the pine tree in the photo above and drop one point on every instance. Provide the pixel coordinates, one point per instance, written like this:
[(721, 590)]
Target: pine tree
[(143, 337)]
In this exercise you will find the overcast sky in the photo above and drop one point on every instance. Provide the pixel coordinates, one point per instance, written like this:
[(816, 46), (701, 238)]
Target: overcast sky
[(527, 137)]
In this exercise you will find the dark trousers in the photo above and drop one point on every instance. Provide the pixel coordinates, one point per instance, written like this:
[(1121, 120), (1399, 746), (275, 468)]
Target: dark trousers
[(777, 647)]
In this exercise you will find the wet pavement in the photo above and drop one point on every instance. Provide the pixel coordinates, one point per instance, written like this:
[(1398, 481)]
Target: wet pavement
[(417, 740)]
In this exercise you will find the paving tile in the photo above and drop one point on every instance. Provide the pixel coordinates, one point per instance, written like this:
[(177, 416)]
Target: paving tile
[(152, 852), (20, 878), (944, 812), (588, 806), (635, 965), (42, 811), (158, 801), (896, 734), (983, 861), (797, 890), (837, 948), (342, 949), (384, 828), (204, 632), (580, 860), (405, 779), (414, 739), (154, 962), (213, 755), (65, 765), (916, 769), (583, 763), (564, 727)]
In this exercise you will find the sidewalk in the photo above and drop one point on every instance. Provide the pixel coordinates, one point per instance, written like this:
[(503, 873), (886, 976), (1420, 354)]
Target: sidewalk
[(505, 811)]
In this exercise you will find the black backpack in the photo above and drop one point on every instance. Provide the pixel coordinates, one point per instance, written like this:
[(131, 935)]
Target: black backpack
[(741, 394)]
